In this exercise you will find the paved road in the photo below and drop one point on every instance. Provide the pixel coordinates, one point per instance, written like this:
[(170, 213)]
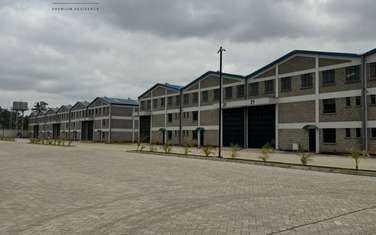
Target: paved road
[(79, 190)]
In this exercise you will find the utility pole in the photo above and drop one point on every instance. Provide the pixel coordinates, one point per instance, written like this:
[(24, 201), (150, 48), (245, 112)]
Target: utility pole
[(220, 51)]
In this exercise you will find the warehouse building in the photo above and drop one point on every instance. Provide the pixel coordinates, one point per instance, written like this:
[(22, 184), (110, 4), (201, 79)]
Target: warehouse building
[(318, 101), (102, 120)]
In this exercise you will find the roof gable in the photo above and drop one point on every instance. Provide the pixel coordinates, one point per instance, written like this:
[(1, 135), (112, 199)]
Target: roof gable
[(210, 74), (304, 52), (164, 85)]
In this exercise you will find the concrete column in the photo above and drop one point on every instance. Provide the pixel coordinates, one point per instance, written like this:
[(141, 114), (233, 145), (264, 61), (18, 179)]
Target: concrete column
[(151, 117), (317, 103), (165, 115), (363, 72), (276, 105), (199, 113)]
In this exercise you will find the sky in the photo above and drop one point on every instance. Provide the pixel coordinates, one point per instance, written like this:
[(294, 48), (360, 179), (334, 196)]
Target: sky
[(124, 47)]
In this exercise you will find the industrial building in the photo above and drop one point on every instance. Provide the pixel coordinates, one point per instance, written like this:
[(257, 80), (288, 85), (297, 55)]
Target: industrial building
[(102, 120), (314, 100)]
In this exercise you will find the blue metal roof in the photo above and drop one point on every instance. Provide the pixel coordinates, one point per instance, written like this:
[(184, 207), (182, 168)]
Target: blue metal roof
[(166, 85), (213, 73), (373, 51), (120, 101), (325, 53)]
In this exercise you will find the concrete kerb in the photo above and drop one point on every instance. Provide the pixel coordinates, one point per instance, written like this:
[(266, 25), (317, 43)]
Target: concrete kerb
[(328, 169)]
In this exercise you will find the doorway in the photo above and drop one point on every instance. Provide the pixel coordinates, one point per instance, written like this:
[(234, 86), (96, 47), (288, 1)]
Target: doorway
[(312, 140)]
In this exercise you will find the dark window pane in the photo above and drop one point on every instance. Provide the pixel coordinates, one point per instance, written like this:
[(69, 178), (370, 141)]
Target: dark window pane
[(348, 101), (254, 89), (372, 71), (216, 94), (169, 101), (357, 101), (373, 132), (228, 92), (329, 136), (269, 86), (240, 91), (307, 81), (328, 77), (286, 84), (348, 132), (205, 96), (357, 132), (373, 99), (353, 73), (195, 98), (195, 115), (329, 106), (186, 98)]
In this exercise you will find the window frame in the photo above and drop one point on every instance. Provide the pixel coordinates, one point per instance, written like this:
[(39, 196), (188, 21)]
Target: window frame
[(352, 73), (269, 86), (284, 82), (205, 96), (329, 77), (306, 81), (186, 99), (347, 133)]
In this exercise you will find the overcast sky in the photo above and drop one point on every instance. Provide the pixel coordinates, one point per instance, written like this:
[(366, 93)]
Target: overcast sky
[(128, 45)]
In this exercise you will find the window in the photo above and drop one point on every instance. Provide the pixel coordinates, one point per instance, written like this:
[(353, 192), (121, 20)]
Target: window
[(254, 89), (155, 103), (329, 136), (373, 99), (176, 116), (195, 98), (286, 84), (169, 101), (269, 86), (353, 73), (194, 135), (372, 71), (373, 132), (306, 81), (329, 106), (162, 102), (216, 94), (205, 96), (348, 132), (240, 91), (186, 98), (195, 115), (177, 100), (348, 101), (328, 77), (357, 132), (228, 92), (357, 101), (170, 117), (148, 104)]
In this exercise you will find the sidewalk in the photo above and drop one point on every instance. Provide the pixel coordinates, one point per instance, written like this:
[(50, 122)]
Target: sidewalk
[(278, 156)]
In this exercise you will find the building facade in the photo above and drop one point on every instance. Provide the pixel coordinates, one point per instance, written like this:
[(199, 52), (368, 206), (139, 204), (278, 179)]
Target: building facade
[(102, 120), (312, 100)]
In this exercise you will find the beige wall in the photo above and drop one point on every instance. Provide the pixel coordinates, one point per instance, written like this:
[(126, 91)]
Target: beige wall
[(296, 112)]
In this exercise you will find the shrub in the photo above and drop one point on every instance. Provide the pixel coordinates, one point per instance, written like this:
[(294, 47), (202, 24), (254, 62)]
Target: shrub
[(235, 148), (187, 148), (265, 150), (207, 149), (304, 156), (167, 147), (140, 140), (357, 154)]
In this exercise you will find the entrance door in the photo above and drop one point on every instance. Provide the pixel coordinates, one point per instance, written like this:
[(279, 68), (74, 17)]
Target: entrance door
[(312, 140), (233, 127), (201, 137), (145, 128), (261, 126), (36, 132)]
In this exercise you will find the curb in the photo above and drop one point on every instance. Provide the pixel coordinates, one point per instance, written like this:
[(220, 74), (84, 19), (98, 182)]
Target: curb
[(327, 169)]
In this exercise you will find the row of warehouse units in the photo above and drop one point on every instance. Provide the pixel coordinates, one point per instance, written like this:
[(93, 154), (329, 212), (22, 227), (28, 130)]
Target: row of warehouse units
[(102, 120), (314, 100)]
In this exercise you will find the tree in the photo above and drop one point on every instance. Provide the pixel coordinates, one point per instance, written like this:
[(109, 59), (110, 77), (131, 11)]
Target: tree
[(357, 154), (4, 118), (40, 106)]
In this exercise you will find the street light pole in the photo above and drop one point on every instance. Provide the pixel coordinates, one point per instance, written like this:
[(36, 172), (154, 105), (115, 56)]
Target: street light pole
[(220, 51)]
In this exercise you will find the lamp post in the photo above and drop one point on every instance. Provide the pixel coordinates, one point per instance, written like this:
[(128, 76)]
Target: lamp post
[(220, 51)]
